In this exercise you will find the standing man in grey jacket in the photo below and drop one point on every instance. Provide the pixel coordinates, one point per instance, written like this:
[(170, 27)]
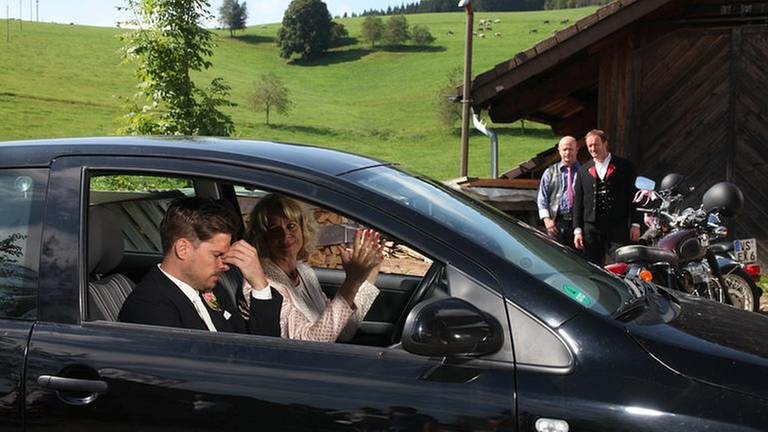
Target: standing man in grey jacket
[(556, 192)]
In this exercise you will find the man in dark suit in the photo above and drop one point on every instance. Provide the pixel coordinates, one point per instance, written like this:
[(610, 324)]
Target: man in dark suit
[(196, 235), (604, 215)]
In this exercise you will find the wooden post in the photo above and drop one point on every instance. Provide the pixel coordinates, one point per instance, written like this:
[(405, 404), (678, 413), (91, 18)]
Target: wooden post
[(466, 102)]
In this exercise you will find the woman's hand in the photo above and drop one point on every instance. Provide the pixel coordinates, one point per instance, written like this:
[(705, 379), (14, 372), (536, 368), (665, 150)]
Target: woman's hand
[(360, 262)]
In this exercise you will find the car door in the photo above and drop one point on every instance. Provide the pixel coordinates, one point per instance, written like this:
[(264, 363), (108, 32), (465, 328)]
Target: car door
[(22, 197), (104, 375)]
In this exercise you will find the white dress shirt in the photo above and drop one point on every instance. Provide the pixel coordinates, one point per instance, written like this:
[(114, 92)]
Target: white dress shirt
[(602, 167)]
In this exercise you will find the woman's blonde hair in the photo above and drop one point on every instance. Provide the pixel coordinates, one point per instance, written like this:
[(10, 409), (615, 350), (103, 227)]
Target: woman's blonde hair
[(282, 206)]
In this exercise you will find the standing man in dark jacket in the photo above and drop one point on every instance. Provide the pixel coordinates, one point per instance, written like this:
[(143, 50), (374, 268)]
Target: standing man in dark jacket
[(557, 193), (196, 234), (604, 215)]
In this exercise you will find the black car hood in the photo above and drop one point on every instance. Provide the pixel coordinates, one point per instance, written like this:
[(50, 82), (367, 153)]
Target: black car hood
[(711, 342)]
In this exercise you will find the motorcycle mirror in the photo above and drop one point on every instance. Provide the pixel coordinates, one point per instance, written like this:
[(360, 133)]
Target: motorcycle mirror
[(644, 183)]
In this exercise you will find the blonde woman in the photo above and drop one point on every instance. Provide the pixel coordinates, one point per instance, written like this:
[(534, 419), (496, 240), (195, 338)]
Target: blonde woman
[(284, 236)]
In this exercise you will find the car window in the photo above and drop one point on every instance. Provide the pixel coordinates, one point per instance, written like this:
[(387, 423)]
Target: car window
[(508, 238), (139, 202), (21, 195)]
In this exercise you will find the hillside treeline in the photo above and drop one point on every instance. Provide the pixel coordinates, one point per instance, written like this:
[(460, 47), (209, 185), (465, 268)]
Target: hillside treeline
[(565, 4), (429, 6)]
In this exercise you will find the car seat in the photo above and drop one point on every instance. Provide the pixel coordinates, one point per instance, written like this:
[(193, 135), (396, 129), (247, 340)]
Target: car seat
[(106, 292)]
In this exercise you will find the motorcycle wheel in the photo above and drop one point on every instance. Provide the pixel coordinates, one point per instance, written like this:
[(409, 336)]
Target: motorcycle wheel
[(743, 290)]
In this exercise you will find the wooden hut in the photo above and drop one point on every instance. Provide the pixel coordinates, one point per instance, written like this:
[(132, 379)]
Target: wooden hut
[(678, 85)]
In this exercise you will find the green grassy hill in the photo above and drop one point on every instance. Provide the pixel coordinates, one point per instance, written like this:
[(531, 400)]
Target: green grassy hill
[(62, 80)]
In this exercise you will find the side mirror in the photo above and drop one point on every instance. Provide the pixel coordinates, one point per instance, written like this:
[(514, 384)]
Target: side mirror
[(644, 183), (449, 327)]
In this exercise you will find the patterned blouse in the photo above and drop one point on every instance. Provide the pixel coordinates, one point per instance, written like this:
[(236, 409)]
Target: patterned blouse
[(307, 314)]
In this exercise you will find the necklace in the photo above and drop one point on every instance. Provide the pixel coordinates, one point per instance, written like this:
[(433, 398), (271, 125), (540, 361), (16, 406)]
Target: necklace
[(293, 275)]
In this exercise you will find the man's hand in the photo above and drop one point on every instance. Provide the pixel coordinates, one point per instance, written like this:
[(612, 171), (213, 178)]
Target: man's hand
[(552, 230), (634, 233), (578, 241), (246, 258)]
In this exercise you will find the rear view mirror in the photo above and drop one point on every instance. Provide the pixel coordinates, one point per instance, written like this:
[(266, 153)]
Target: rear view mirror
[(644, 183), (450, 326)]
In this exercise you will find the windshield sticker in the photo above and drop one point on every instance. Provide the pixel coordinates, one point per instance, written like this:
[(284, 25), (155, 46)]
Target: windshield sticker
[(577, 295)]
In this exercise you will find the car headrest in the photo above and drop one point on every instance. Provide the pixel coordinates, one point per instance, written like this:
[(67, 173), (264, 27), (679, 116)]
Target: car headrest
[(105, 240)]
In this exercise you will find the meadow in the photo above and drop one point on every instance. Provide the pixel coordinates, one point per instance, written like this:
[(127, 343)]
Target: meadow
[(59, 80)]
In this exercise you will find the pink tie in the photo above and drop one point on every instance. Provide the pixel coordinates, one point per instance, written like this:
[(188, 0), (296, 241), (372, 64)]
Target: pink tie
[(570, 187)]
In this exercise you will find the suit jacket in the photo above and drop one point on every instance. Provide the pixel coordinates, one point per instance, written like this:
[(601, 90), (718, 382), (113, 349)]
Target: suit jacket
[(157, 300), (621, 186)]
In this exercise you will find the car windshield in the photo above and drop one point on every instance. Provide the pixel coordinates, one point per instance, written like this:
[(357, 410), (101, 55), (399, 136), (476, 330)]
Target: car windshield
[(514, 241)]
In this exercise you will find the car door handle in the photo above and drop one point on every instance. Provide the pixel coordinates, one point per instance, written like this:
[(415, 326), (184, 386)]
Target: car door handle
[(72, 384)]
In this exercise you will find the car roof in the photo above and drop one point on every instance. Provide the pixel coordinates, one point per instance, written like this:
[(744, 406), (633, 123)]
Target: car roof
[(327, 161)]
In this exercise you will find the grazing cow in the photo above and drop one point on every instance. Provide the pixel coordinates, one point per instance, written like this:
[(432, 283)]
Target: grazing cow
[(497, 34)]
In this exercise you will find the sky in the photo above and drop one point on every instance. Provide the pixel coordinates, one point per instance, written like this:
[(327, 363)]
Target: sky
[(103, 13)]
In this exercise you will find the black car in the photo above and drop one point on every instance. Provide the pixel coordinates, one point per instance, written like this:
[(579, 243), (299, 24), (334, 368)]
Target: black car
[(504, 330)]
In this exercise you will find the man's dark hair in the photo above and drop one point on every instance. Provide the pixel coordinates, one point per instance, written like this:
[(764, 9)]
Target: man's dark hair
[(196, 218)]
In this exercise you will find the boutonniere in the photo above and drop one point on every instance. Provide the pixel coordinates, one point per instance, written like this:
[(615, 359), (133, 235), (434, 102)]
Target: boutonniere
[(211, 301)]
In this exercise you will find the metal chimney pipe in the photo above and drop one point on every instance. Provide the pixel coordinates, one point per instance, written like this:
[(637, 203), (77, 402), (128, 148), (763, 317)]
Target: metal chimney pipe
[(490, 133)]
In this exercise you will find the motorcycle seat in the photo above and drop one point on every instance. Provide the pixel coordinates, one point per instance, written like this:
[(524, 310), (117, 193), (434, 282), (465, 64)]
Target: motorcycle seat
[(721, 247), (644, 254)]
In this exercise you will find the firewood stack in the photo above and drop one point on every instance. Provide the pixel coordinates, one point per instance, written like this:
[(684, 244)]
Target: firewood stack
[(398, 259)]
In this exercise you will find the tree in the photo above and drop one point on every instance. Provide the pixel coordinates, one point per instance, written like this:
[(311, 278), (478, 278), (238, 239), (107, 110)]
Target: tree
[(306, 29), (373, 29), (420, 35), (396, 30), (232, 15), (271, 93), (168, 45), (448, 110), (339, 34)]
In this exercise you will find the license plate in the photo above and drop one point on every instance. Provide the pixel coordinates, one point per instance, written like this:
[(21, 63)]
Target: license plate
[(745, 250)]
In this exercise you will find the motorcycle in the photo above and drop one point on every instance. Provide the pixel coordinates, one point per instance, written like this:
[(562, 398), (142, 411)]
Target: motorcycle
[(678, 252)]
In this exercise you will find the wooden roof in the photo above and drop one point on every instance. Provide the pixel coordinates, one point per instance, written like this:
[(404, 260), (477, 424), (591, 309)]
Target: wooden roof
[(558, 72)]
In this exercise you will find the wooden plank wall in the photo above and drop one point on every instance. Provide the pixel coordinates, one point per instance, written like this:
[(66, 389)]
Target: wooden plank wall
[(750, 171), (682, 99), (701, 109), (614, 97)]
